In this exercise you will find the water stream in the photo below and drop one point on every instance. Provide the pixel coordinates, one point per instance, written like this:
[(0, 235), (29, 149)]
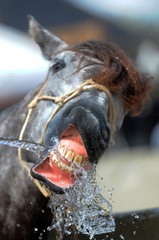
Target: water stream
[(33, 147)]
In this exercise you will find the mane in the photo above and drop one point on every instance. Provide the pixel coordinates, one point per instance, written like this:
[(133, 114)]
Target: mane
[(119, 74)]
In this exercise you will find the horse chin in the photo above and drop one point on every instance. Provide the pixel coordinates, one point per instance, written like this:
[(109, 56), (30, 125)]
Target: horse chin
[(62, 166)]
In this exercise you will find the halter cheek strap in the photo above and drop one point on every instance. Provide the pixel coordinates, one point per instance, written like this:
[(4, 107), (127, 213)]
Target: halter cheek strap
[(60, 101)]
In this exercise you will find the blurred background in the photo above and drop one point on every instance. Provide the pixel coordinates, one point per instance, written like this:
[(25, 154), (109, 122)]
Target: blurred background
[(132, 165)]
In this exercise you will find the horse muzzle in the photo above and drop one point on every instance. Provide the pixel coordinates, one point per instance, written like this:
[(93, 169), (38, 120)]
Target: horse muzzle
[(77, 136)]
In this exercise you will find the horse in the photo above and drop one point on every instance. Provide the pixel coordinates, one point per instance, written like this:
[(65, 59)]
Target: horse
[(80, 107)]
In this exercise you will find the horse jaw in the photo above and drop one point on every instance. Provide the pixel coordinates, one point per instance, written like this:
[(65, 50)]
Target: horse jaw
[(49, 43)]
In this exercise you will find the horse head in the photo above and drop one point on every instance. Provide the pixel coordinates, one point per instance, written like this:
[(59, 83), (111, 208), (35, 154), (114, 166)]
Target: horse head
[(80, 130)]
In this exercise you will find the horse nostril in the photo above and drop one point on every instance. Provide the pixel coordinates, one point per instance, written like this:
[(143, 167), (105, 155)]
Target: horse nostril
[(103, 144), (104, 134)]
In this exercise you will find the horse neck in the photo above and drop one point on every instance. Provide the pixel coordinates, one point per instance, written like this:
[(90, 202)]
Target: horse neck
[(18, 192)]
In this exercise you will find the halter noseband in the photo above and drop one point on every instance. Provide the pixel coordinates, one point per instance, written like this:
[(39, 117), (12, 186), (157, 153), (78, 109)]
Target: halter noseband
[(60, 101)]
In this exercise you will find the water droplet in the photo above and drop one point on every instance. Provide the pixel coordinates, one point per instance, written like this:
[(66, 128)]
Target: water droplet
[(40, 236), (134, 232), (18, 225), (35, 229), (122, 237), (49, 228), (43, 211), (136, 216)]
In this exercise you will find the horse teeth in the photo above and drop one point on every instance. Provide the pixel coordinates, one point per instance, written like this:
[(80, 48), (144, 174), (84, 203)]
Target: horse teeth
[(78, 159), (53, 158), (69, 169), (62, 150), (60, 164), (63, 166), (70, 155), (86, 162)]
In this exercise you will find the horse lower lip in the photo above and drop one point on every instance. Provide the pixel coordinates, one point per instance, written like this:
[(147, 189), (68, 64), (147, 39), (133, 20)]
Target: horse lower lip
[(54, 173)]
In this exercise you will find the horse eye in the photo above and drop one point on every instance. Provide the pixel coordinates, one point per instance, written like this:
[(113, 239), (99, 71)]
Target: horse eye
[(58, 66)]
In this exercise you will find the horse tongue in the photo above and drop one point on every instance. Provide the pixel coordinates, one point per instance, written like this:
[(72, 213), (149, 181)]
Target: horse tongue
[(72, 140)]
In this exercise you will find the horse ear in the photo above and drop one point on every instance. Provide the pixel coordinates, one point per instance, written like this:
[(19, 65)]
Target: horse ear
[(49, 43)]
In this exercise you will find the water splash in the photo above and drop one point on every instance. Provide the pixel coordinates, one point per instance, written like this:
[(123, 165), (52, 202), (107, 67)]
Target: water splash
[(83, 207)]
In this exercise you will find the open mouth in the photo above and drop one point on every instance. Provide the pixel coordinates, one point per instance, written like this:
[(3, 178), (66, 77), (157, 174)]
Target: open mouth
[(60, 169)]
